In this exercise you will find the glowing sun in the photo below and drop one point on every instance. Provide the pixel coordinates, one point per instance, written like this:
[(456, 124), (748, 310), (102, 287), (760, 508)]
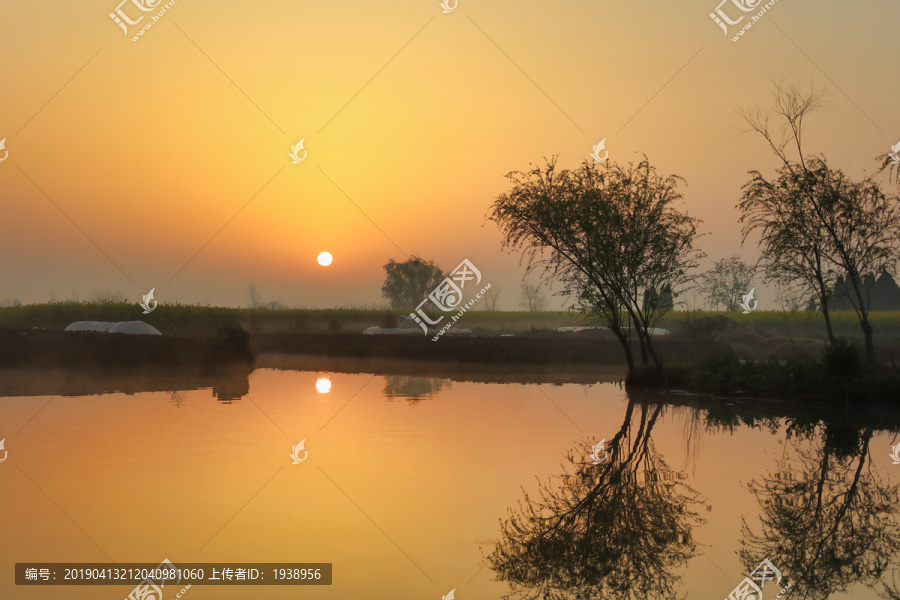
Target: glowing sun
[(324, 258), (323, 385)]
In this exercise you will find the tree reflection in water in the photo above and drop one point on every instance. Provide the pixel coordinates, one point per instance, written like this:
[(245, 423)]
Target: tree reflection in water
[(414, 389), (613, 530), (827, 519)]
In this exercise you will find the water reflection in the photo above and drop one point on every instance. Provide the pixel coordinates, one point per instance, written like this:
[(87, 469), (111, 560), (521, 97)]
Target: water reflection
[(621, 529), (229, 388), (827, 518), (323, 385), (227, 383), (178, 399), (414, 389)]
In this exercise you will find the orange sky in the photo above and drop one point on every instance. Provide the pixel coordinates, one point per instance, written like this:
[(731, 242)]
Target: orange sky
[(151, 147)]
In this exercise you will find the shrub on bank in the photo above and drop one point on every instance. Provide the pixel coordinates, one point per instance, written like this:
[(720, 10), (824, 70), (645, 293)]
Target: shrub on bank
[(839, 376)]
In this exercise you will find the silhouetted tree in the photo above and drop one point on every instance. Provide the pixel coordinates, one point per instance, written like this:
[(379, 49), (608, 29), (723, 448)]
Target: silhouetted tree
[(410, 282), (816, 222), (608, 234)]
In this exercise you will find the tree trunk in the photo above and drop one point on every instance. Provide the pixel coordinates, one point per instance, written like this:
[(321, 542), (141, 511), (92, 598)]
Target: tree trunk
[(823, 296), (626, 346), (827, 316), (657, 361), (863, 314), (640, 336), (870, 345)]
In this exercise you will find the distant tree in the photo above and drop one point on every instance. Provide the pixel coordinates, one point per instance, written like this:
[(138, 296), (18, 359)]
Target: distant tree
[(108, 297), (660, 300), (490, 299), (608, 234), (254, 296), (410, 282), (726, 283), (885, 293), (532, 298)]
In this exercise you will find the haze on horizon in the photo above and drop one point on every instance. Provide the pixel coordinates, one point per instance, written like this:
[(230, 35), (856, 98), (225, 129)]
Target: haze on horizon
[(126, 159)]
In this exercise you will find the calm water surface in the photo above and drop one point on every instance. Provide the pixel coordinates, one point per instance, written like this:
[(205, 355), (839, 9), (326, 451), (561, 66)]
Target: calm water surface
[(414, 486)]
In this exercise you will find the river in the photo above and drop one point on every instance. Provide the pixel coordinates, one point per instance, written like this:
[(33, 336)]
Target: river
[(413, 485)]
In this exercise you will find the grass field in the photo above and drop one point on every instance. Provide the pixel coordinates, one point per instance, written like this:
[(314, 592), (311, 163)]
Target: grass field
[(190, 320)]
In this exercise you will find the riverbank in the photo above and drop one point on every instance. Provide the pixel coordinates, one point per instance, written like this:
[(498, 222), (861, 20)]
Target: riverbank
[(37, 348), (838, 379), (205, 321), (89, 349), (538, 348)]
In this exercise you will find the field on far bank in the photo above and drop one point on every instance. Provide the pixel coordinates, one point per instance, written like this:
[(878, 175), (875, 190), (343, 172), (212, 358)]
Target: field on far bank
[(190, 320)]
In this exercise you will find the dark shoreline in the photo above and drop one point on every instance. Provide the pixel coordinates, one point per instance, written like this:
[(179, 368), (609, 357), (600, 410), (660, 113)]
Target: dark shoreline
[(87, 349), (38, 348), (37, 363)]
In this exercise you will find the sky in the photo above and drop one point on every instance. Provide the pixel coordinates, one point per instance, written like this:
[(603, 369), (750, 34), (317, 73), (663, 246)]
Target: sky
[(164, 162)]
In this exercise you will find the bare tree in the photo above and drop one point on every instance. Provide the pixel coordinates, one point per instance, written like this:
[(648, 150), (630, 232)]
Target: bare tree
[(532, 298), (254, 296), (490, 299), (108, 297), (726, 283), (844, 225)]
